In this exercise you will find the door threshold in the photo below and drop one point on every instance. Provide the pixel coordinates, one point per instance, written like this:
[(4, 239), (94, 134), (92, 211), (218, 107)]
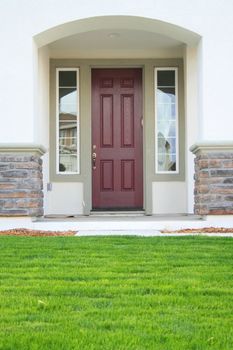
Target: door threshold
[(117, 213)]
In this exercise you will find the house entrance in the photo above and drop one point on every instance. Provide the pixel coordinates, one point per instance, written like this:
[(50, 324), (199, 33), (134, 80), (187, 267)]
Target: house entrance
[(117, 151)]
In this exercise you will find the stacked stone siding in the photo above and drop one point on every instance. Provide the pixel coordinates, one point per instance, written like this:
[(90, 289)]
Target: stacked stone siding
[(213, 192), (21, 185)]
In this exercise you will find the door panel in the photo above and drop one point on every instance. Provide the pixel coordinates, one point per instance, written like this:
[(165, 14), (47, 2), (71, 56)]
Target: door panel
[(127, 120), (106, 120), (117, 172)]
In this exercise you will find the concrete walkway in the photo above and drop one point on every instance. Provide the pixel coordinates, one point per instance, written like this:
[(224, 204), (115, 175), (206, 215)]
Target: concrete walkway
[(127, 224), (146, 233)]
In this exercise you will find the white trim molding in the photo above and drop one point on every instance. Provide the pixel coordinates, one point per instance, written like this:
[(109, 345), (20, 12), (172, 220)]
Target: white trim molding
[(77, 121)]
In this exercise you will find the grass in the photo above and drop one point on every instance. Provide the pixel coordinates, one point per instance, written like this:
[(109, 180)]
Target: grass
[(122, 293)]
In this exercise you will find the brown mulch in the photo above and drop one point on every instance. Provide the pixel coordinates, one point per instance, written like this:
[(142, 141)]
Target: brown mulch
[(202, 230), (35, 233)]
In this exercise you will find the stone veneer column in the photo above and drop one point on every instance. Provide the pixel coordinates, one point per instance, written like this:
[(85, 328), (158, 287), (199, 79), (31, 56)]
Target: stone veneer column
[(21, 180), (213, 177)]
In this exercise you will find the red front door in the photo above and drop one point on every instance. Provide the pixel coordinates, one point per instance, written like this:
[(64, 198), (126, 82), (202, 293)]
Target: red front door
[(117, 164)]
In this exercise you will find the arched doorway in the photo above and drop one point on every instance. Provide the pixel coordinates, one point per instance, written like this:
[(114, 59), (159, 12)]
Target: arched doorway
[(160, 50)]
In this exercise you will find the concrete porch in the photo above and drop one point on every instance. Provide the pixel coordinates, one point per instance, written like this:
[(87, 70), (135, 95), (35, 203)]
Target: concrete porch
[(117, 223), (131, 223), (121, 223)]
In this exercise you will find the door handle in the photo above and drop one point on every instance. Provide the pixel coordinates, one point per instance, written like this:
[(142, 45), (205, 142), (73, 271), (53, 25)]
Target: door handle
[(93, 160)]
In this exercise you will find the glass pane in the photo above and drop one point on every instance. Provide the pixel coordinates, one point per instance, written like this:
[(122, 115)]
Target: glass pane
[(68, 135), (166, 111), (166, 153), (171, 132), (166, 121), (166, 78), (166, 95), (172, 144), (68, 93), (67, 78), (165, 163), (68, 121), (173, 111), (173, 163), (166, 128), (68, 146), (163, 145), (66, 117), (68, 100), (68, 162)]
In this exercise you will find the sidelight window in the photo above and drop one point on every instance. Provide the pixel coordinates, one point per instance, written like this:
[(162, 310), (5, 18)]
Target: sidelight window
[(166, 120), (67, 124)]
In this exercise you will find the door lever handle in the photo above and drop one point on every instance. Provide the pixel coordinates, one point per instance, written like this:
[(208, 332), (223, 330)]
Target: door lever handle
[(93, 160)]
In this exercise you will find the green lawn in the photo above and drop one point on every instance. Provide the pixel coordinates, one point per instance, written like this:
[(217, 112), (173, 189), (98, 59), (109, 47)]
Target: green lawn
[(120, 293)]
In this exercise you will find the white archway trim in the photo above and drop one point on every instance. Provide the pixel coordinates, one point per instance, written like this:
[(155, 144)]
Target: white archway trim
[(113, 23)]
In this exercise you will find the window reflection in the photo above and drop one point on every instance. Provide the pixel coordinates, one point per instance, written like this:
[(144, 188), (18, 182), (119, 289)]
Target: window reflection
[(68, 143), (68, 136), (68, 101), (166, 78), (166, 95), (166, 121), (166, 153), (67, 78)]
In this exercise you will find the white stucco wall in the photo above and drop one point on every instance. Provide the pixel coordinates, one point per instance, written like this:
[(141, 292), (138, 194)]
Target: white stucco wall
[(169, 198), (21, 20), (24, 96), (65, 199)]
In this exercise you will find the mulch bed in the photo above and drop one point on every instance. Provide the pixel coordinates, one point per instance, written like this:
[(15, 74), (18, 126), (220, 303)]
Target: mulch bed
[(201, 230), (35, 233)]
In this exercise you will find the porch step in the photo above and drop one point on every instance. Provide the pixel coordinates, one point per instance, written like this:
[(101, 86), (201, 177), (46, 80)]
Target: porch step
[(116, 223), (117, 213)]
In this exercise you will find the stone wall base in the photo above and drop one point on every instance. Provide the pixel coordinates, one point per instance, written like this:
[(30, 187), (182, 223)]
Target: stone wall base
[(21, 181), (213, 177)]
